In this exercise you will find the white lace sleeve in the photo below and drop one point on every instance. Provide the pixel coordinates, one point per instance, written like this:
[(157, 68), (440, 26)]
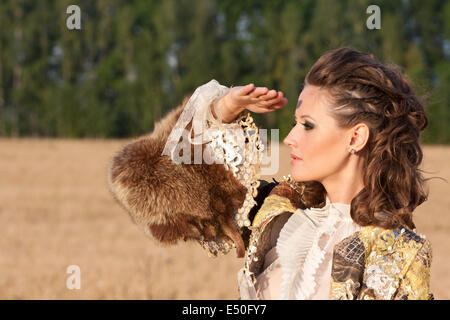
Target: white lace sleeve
[(235, 145)]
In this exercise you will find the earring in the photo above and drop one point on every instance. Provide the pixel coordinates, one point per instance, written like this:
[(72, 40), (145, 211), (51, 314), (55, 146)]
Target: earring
[(352, 151)]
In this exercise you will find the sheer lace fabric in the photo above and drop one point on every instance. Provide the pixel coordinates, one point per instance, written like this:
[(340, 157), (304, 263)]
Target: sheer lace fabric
[(205, 129), (267, 284), (305, 248), (236, 145)]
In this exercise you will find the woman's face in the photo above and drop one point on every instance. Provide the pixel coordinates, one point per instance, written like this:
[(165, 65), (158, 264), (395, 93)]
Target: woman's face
[(318, 145)]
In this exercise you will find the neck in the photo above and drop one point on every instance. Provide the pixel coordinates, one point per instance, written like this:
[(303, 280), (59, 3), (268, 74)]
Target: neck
[(344, 186)]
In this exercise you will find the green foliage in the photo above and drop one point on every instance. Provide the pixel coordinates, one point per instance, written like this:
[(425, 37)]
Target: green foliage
[(134, 60)]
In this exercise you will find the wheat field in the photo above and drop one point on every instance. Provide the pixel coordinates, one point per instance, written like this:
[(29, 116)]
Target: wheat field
[(56, 211)]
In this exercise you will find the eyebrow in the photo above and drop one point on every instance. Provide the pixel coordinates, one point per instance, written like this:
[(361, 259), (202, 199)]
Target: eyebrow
[(305, 116)]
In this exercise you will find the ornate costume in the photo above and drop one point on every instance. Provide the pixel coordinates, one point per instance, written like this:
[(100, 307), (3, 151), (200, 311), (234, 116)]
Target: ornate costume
[(371, 263), (291, 251)]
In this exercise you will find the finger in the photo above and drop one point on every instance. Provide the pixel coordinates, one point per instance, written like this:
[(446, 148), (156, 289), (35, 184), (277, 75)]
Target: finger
[(246, 89), (271, 99), (266, 110), (258, 92), (280, 104), (273, 106), (270, 95), (265, 107)]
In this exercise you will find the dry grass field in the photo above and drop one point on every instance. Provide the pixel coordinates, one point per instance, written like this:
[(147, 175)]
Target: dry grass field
[(56, 211)]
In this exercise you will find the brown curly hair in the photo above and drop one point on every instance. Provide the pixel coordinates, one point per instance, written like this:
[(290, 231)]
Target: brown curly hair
[(362, 89)]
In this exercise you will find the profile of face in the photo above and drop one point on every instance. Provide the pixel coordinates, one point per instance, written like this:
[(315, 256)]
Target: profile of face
[(319, 148)]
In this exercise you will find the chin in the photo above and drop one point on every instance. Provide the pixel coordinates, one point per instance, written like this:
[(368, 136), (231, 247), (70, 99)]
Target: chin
[(299, 175)]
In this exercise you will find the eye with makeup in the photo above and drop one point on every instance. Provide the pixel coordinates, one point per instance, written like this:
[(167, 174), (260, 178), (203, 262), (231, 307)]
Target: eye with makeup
[(306, 124)]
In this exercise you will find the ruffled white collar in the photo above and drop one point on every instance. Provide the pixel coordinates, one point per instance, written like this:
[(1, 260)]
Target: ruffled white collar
[(304, 245), (342, 208)]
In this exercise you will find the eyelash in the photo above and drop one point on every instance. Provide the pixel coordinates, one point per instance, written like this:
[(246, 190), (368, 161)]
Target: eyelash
[(307, 125)]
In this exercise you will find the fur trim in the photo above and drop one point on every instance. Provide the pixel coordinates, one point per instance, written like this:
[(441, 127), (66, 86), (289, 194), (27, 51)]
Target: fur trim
[(172, 202)]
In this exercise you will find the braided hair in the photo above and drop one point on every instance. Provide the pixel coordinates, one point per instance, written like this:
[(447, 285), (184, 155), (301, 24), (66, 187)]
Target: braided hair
[(363, 90)]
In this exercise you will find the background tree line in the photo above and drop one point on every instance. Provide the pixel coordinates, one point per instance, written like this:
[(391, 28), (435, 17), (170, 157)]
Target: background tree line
[(134, 60)]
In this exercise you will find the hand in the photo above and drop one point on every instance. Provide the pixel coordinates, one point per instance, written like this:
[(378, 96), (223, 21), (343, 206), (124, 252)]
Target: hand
[(258, 100)]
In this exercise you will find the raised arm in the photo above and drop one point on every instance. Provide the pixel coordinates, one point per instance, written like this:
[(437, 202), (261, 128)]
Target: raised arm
[(174, 201), (238, 99)]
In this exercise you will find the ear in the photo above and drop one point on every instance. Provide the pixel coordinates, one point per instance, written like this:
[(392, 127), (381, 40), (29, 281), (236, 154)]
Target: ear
[(359, 135)]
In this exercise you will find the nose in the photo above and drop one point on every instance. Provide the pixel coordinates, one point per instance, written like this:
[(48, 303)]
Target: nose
[(289, 141)]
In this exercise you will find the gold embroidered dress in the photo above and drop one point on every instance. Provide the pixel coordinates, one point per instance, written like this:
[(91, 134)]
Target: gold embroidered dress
[(371, 263), (292, 253)]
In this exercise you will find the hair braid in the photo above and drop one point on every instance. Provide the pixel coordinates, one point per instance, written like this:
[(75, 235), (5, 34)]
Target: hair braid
[(362, 89)]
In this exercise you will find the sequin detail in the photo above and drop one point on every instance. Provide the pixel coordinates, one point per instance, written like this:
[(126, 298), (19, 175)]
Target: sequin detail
[(396, 265), (236, 145)]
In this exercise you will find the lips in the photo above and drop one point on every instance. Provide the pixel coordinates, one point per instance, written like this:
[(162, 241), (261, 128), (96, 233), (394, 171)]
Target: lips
[(294, 157)]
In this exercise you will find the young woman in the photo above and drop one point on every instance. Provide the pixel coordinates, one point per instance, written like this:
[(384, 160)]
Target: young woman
[(339, 228)]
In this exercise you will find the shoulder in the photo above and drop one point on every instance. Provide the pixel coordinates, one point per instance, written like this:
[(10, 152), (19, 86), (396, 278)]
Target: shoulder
[(376, 259), (371, 245), (392, 256), (377, 238), (372, 238), (273, 199)]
